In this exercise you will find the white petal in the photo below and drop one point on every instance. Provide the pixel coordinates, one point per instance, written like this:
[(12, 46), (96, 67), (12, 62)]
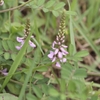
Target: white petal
[(32, 36), (63, 60), (19, 47), (51, 54), (59, 43), (64, 46), (53, 59), (60, 55), (5, 73), (58, 64), (19, 39), (32, 44), (54, 44), (56, 51), (63, 50)]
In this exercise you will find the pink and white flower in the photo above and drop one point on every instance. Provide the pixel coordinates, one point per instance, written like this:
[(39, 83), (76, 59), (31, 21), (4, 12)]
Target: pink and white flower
[(59, 51), (22, 40), (4, 72)]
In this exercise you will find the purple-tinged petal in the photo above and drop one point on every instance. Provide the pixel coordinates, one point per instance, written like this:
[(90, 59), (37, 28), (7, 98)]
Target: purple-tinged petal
[(32, 44), (4, 71), (63, 53), (63, 50), (58, 64), (51, 54), (54, 44), (56, 51), (53, 59), (60, 55), (59, 43), (20, 39), (63, 60), (64, 46), (19, 47)]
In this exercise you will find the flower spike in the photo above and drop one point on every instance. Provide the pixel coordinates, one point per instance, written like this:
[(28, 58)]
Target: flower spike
[(58, 55), (22, 39)]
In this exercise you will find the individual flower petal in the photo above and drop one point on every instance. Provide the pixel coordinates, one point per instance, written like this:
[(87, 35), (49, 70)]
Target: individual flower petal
[(63, 53), (53, 59), (60, 55), (56, 51), (58, 64), (54, 44), (63, 50), (32, 44), (4, 71), (59, 43), (64, 46), (51, 54), (19, 47), (19, 39), (63, 60)]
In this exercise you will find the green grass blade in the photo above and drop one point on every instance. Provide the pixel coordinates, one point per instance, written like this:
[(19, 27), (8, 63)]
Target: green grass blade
[(72, 35), (29, 73), (93, 46), (38, 45)]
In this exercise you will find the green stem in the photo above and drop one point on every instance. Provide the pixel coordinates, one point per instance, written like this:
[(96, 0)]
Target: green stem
[(55, 76), (93, 73), (93, 84), (14, 8), (16, 82)]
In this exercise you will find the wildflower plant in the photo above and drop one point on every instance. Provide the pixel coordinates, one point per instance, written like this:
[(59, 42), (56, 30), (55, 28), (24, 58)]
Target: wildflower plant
[(59, 52), (22, 39), (28, 70)]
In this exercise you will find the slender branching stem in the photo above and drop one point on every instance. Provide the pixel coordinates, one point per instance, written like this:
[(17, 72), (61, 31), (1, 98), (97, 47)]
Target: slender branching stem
[(14, 8)]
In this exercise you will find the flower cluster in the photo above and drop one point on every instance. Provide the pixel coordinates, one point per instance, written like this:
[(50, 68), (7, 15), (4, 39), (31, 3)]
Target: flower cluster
[(22, 39), (1, 2), (4, 72), (59, 52)]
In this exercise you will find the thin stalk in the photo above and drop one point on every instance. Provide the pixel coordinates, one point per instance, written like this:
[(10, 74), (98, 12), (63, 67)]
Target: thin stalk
[(14, 8)]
